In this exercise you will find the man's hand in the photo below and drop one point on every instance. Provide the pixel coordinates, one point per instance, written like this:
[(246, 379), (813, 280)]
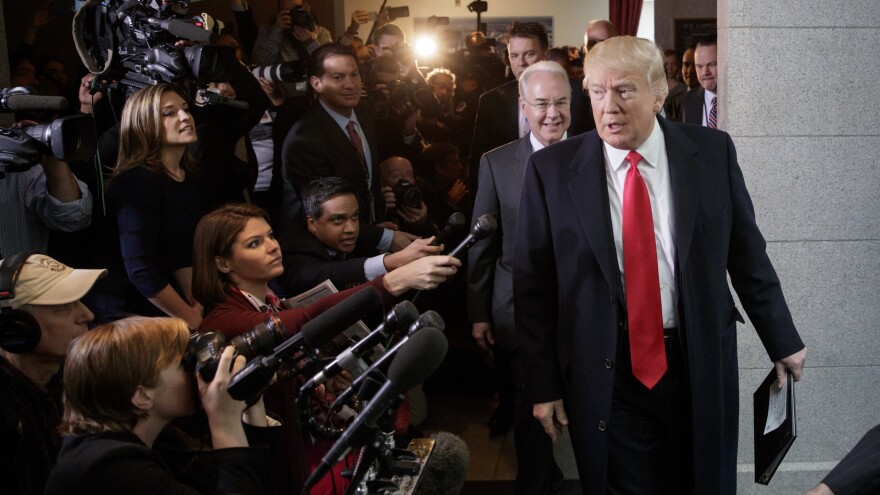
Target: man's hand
[(457, 193), (283, 20), (304, 35), (87, 100), (272, 91), (552, 417), (413, 216), (417, 249), (482, 332), (390, 198), (820, 489), (795, 363), (422, 274), (358, 17), (401, 240), (409, 124)]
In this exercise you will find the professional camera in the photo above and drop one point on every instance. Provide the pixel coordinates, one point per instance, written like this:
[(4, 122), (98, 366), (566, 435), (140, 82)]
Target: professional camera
[(204, 349), (402, 97), (67, 138), (293, 71), (407, 194), (302, 17), (133, 44)]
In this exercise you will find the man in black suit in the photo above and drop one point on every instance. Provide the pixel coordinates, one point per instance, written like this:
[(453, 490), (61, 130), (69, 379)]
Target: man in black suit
[(700, 106), (856, 474), (339, 138), (499, 119), (325, 247), (545, 99), (624, 242)]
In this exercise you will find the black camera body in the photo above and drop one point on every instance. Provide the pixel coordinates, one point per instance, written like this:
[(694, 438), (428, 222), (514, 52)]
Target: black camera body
[(407, 194), (204, 349), (132, 44), (303, 17)]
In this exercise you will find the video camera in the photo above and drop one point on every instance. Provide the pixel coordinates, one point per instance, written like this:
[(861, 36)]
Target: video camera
[(67, 138), (133, 44)]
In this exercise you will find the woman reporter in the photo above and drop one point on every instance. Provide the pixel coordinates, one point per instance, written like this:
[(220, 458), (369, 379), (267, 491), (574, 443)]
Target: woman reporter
[(153, 203), (123, 383)]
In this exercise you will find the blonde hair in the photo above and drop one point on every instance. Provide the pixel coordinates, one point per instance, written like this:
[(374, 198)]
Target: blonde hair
[(631, 55), (105, 366), (141, 132)]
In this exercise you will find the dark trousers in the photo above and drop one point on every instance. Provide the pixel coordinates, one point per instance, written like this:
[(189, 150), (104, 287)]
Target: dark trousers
[(650, 446), (536, 471)]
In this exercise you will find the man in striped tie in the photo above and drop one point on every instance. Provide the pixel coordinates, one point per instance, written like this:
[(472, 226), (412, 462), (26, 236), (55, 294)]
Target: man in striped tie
[(701, 105)]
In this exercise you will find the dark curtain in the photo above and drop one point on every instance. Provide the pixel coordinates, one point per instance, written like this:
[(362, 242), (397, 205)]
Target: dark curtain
[(624, 14)]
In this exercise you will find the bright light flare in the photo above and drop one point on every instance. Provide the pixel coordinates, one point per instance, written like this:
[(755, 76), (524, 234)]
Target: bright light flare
[(425, 47)]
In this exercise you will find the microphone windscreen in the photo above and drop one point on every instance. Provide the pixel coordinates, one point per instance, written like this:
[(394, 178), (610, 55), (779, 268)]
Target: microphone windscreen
[(485, 225), (344, 314), (446, 469), (428, 319), (35, 102), (456, 221), (418, 358)]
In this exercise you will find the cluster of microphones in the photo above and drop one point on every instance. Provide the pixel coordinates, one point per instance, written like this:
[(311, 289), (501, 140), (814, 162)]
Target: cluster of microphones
[(413, 347)]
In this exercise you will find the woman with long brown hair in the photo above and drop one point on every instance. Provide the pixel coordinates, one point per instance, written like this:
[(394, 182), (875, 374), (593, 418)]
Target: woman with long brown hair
[(153, 206)]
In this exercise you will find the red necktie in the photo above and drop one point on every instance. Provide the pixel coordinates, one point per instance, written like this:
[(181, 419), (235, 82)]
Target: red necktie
[(642, 281), (356, 138)]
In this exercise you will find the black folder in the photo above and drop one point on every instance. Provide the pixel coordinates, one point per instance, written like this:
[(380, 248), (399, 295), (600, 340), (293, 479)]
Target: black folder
[(770, 448)]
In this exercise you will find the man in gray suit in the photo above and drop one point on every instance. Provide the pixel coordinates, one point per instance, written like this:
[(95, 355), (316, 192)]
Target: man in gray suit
[(545, 100)]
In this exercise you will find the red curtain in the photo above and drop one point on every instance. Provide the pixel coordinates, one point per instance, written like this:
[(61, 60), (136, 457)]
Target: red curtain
[(624, 14)]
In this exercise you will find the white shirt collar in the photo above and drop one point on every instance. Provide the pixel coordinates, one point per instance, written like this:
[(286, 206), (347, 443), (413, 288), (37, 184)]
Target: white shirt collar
[(340, 119), (537, 145), (650, 149)]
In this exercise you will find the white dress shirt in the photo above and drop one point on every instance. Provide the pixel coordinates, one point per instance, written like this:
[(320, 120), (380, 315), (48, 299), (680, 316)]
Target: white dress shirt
[(654, 169)]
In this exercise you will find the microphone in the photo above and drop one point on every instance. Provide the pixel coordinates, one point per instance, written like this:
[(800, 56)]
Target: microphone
[(456, 221), (417, 360), (446, 468), (184, 29), (483, 227), (428, 319), (20, 98), (254, 378), (400, 317)]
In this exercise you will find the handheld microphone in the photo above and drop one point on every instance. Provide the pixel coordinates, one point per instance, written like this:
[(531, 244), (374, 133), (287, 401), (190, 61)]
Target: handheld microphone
[(255, 377), (456, 221), (483, 227), (400, 317), (428, 319), (417, 360)]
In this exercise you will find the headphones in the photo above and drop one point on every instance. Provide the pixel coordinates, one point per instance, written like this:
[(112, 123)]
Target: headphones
[(19, 331)]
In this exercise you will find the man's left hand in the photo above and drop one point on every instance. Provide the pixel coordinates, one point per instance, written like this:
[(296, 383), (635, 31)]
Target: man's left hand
[(795, 363), (413, 216)]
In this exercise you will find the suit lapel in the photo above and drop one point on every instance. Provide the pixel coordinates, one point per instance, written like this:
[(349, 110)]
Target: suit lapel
[(589, 195), (338, 138), (511, 106), (523, 152), (685, 170)]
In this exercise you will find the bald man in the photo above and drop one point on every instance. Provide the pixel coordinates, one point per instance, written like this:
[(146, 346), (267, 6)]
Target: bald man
[(597, 31)]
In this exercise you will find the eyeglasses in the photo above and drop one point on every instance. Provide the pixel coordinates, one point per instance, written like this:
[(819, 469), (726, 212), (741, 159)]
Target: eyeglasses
[(545, 105)]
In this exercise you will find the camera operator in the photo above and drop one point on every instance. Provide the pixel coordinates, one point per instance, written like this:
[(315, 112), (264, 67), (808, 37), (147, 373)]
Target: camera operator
[(291, 35), (447, 125), (40, 199), (124, 382), (38, 323), (441, 180), (393, 99)]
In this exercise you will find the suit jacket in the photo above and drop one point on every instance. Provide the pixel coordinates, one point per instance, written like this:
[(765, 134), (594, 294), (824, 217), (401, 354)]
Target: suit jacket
[(498, 120), (490, 260), (570, 308), (317, 147), (692, 106), (307, 263)]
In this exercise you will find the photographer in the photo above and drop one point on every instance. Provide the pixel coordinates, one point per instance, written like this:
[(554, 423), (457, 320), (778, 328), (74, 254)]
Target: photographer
[(403, 199), (441, 175), (292, 35), (124, 383), (42, 198)]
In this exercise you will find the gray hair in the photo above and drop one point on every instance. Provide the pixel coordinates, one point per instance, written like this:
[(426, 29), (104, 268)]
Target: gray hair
[(546, 67)]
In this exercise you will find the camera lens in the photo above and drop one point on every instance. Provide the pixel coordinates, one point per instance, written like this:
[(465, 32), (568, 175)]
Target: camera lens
[(261, 339)]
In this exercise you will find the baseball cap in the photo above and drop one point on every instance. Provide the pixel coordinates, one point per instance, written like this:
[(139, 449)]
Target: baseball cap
[(45, 281)]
